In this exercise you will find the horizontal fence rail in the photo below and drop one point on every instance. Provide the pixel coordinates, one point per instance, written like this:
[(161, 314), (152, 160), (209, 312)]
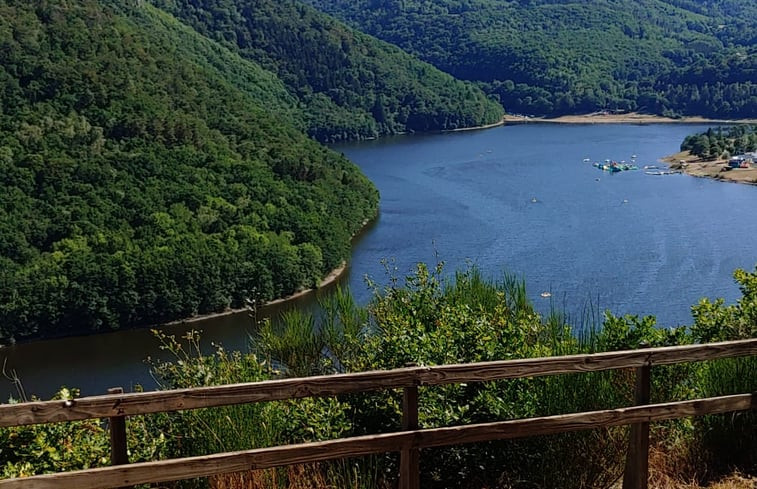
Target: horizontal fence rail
[(408, 441), (264, 458), (330, 385)]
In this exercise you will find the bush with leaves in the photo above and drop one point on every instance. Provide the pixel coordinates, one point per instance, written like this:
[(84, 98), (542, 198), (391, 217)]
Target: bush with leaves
[(432, 320), (727, 442), (240, 427), (76, 445)]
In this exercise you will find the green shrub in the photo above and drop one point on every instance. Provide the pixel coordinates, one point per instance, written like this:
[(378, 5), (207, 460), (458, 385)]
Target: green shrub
[(430, 320), (77, 445)]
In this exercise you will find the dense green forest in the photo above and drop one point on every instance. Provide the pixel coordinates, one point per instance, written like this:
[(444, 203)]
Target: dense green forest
[(350, 85), (553, 57), (722, 142), (148, 174)]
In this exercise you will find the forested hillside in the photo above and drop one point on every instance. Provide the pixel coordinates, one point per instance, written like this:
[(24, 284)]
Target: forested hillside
[(553, 57), (143, 177), (349, 84)]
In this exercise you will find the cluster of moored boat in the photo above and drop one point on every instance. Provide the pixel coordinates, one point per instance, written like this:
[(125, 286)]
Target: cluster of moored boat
[(653, 170), (613, 166)]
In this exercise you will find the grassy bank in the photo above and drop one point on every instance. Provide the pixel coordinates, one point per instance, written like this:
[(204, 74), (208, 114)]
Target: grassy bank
[(427, 320)]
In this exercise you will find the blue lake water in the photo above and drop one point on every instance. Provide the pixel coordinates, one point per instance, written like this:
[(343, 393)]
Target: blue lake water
[(521, 200), (514, 199)]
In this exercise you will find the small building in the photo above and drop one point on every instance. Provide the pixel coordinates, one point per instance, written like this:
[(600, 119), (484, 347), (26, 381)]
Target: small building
[(743, 161), (735, 161)]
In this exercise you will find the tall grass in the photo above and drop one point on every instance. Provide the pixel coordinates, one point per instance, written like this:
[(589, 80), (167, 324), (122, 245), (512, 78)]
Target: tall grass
[(734, 434), (359, 473), (432, 320), (293, 344)]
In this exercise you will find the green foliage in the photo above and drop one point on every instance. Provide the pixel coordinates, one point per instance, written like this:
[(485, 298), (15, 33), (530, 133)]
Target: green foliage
[(714, 321), (213, 430), (61, 447), (735, 434), (294, 342), (468, 320), (350, 85), (241, 427), (714, 143), (631, 332), (552, 57), (727, 443), (430, 320), (146, 174), (427, 320)]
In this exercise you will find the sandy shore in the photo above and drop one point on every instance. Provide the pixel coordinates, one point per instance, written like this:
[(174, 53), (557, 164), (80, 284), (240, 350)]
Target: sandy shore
[(629, 118), (328, 280), (695, 166), (477, 128)]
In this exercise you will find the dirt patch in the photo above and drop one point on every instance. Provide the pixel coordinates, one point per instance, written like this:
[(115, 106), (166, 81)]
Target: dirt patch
[(716, 169)]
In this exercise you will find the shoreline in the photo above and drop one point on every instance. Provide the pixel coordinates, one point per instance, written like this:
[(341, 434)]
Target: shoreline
[(329, 279), (712, 169), (501, 122), (628, 118), (332, 277)]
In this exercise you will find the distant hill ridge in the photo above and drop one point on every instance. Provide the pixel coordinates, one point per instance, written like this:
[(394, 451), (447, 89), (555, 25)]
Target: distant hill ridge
[(349, 85), (555, 57)]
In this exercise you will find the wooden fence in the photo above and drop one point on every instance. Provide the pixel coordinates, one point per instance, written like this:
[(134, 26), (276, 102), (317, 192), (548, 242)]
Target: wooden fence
[(116, 406)]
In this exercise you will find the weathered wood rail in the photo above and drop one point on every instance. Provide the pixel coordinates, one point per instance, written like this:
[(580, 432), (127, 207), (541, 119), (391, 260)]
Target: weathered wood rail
[(408, 442)]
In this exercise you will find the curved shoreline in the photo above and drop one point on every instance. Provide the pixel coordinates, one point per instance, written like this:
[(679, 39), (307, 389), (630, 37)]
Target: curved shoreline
[(329, 279), (696, 167), (501, 122), (629, 118)]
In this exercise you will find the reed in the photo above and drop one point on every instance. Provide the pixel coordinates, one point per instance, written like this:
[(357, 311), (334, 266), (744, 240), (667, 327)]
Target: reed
[(432, 319)]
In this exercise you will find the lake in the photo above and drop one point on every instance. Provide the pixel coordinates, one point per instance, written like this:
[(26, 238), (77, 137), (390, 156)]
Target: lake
[(515, 199)]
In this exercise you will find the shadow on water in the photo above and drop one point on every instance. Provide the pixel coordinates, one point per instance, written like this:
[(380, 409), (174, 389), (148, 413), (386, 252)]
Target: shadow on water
[(97, 362)]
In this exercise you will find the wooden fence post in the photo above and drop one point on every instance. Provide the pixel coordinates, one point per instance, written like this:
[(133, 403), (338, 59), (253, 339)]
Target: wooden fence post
[(117, 426), (636, 475), (410, 473)]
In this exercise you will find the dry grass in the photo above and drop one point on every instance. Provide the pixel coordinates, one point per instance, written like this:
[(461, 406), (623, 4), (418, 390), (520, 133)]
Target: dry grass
[(308, 476), (735, 481), (303, 476), (698, 167), (669, 470)]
